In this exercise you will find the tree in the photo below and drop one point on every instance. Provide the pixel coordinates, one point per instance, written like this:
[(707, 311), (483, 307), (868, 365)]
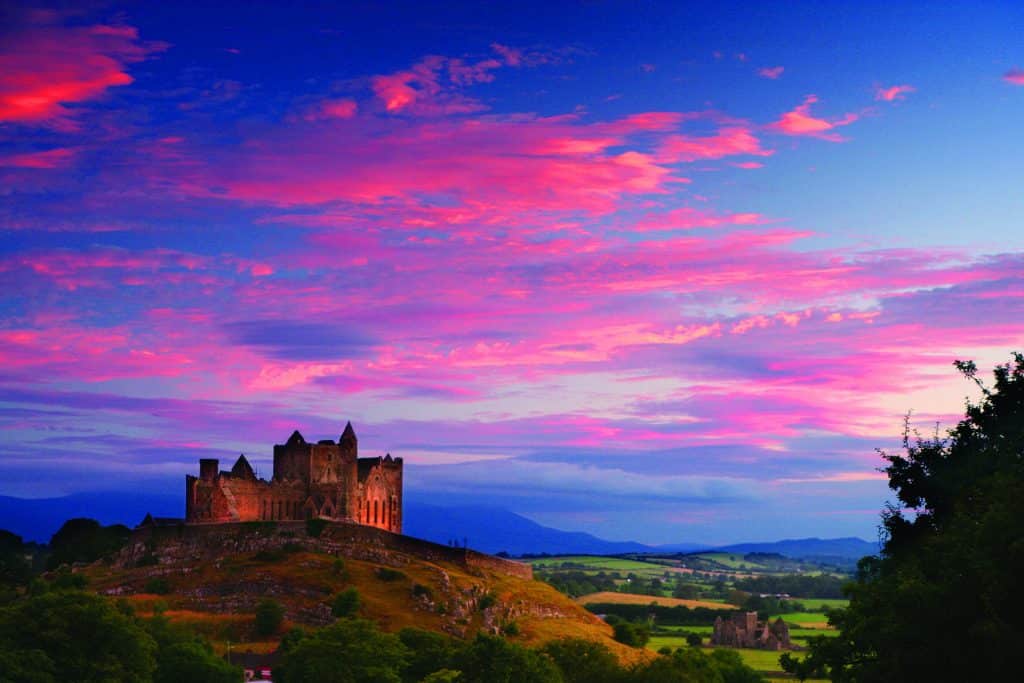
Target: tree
[(185, 656), (348, 651), (943, 600), (346, 603), (583, 661), (429, 653), (490, 659), (74, 635), (85, 540), (269, 615), (632, 634)]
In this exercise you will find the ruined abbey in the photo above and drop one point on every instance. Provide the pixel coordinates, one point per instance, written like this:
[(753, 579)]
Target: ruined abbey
[(744, 630), (311, 480)]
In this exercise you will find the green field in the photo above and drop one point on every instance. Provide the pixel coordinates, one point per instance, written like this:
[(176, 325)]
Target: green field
[(802, 618), (592, 564), (819, 603), (730, 560)]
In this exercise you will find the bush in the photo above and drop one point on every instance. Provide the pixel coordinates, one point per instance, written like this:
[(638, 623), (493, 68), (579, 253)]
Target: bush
[(693, 639), (147, 560), (486, 601), (634, 635), (348, 651), (388, 574), (316, 526), (85, 540), (270, 555), (511, 629), (269, 615), (158, 585), (421, 591), (346, 603)]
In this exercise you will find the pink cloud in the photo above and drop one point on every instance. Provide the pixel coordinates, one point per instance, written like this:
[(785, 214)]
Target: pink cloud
[(893, 93), (51, 158), (688, 218), (771, 72), (1014, 76), (46, 67), (431, 87), (799, 121), (730, 140), (344, 108), (512, 56), (487, 166)]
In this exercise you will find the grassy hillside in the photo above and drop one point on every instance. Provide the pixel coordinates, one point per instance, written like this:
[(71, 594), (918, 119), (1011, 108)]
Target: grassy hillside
[(216, 591)]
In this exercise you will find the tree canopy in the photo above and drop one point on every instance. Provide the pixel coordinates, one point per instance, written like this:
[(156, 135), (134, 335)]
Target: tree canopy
[(943, 600)]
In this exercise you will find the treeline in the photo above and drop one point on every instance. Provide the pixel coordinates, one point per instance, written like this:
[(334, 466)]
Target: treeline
[(356, 651), (679, 615), (575, 583), (822, 586), (56, 632)]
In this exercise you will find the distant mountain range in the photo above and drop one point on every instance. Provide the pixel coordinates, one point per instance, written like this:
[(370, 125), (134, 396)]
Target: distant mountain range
[(491, 530)]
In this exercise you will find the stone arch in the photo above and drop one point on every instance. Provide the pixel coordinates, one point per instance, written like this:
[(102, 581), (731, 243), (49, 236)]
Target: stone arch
[(309, 510)]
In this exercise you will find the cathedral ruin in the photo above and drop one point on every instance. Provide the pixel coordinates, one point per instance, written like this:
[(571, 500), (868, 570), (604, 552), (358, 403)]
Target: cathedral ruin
[(311, 480), (744, 630)]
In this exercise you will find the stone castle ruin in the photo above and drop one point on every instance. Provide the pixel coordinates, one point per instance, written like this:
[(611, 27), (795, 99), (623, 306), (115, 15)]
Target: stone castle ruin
[(311, 480), (744, 630)]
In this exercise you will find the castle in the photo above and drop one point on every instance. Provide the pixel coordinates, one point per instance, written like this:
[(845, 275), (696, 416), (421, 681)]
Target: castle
[(324, 479), (743, 630)]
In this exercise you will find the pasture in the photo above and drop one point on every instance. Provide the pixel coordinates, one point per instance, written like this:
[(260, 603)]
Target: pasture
[(634, 599)]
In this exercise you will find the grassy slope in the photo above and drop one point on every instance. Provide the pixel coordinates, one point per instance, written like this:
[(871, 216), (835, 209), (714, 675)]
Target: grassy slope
[(217, 598)]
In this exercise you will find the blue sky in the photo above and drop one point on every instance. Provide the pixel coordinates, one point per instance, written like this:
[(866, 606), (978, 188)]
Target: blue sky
[(665, 273)]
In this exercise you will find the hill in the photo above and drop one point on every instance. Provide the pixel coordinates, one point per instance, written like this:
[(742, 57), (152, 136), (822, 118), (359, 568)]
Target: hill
[(213, 577), (493, 530), (850, 548)]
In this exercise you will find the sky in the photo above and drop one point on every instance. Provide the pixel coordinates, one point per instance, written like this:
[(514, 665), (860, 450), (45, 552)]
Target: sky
[(666, 272)]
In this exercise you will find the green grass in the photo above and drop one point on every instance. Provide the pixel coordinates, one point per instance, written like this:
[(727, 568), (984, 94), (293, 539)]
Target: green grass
[(592, 564), (818, 603), (732, 561), (801, 618)]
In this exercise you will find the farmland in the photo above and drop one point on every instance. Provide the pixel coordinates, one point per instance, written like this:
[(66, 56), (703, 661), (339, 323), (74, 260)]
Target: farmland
[(676, 596)]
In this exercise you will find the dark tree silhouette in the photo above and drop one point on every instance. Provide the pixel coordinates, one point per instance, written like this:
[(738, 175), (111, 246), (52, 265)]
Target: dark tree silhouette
[(944, 600)]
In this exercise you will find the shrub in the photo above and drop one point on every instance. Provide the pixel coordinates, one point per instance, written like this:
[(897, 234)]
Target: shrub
[(486, 601), (634, 635), (511, 629), (346, 603), (158, 585), (419, 590), (269, 615), (147, 560), (316, 526), (584, 661), (388, 574), (269, 555)]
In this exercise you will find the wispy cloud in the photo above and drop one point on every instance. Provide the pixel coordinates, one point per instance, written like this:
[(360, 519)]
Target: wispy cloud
[(800, 121)]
